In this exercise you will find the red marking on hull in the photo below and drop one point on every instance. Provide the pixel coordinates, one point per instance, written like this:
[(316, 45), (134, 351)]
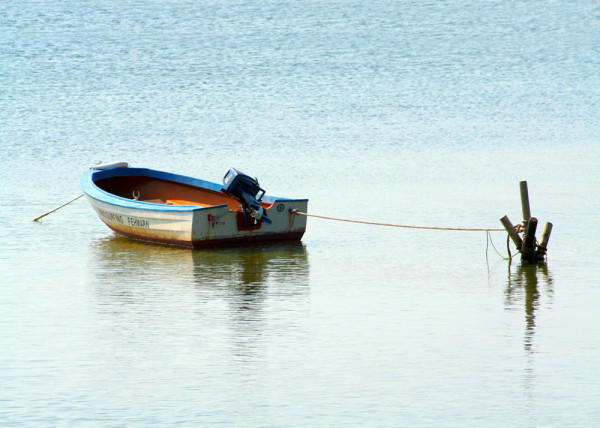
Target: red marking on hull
[(226, 242)]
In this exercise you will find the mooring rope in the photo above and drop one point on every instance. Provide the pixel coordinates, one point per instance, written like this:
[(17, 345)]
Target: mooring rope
[(469, 229), (56, 209)]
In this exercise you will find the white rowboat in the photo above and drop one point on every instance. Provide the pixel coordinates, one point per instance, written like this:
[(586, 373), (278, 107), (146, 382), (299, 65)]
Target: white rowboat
[(173, 209)]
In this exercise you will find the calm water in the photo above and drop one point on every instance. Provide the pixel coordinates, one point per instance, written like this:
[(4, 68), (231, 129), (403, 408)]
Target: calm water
[(414, 112)]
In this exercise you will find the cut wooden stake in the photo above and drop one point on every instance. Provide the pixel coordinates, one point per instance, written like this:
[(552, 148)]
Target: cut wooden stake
[(528, 248), (541, 249), (546, 235), (525, 201), (512, 232)]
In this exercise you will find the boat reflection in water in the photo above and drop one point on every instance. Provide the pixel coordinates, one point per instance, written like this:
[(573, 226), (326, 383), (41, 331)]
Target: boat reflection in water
[(135, 273), (527, 283)]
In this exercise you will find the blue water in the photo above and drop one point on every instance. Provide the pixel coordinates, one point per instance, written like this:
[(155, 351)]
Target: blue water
[(423, 113)]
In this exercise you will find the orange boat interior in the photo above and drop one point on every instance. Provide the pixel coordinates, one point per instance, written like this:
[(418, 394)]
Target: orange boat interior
[(159, 191)]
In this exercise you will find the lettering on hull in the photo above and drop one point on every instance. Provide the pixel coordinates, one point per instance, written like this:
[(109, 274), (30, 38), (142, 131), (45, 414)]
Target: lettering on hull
[(138, 222), (108, 216), (125, 220)]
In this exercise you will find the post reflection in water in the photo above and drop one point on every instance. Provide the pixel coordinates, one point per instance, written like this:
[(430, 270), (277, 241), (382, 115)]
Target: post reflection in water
[(524, 284)]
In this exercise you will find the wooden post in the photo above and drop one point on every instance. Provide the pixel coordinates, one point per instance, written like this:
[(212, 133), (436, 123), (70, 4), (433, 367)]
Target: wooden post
[(541, 250), (512, 232), (528, 248), (525, 202), (546, 234)]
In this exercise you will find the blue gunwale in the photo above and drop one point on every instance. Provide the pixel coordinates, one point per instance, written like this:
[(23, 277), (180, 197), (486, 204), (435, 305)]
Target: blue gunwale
[(87, 183)]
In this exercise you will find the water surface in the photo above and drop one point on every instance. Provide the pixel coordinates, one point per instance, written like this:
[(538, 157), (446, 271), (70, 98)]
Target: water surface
[(422, 113)]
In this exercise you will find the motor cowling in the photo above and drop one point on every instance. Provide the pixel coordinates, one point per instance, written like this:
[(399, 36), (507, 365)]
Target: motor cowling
[(246, 190)]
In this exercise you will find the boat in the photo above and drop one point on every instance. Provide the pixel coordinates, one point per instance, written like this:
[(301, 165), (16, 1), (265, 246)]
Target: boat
[(166, 208)]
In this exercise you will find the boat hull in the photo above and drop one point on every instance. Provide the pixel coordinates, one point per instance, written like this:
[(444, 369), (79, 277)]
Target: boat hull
[(189, 226)]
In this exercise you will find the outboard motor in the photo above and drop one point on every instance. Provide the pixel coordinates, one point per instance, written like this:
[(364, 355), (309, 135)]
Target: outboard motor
[(245, 189)]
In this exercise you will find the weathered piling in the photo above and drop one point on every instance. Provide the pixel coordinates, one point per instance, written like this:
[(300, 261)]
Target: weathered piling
[(525, 202), (541, 249), (530, 250), (512, 232), (528, 247)]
